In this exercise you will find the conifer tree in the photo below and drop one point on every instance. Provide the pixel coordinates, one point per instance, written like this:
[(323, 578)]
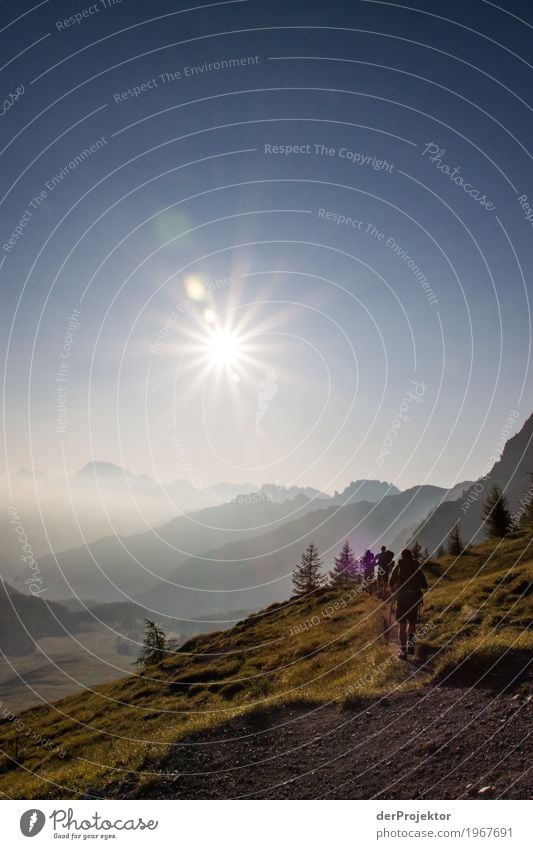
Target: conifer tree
[(496, 513), (306, 577), (345, 569), (455, 543), (441, 551), (154, 644)]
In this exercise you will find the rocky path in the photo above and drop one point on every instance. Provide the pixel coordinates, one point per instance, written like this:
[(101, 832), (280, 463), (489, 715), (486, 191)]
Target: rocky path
[(434, 743), (438, 743)]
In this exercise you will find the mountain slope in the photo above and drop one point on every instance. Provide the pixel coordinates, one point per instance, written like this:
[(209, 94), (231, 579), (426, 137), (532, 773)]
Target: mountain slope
[(298, 657), (136, 562), (511, 472)]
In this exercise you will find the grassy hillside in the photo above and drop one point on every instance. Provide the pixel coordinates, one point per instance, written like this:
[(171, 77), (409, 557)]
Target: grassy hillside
[(331, 647), (50, 651)]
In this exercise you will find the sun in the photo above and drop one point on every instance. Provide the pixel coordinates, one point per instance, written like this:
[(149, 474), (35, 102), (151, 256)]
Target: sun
[(223, 348)]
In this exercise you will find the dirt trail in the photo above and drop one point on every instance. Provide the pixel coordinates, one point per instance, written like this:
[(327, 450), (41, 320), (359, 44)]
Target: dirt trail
[(434, 743), (438, 744)]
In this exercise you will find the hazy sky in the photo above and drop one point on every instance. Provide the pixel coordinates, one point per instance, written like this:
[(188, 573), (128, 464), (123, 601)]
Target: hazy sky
[(176, 203)]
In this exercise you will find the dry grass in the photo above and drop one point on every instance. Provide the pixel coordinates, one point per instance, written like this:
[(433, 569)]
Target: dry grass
[(327, 648)]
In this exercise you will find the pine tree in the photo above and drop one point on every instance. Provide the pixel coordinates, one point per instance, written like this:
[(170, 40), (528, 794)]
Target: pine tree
[(306, 577), (496, 513), (417, 550), (154, 644), (441, 551), (424, 555), (345, 568), (455, 543)]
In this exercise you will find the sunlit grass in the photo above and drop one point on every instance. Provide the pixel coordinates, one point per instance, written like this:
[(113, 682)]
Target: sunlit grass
[(330, 648)]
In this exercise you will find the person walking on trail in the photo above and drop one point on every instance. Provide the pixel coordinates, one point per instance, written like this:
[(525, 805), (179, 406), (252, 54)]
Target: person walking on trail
[(408, 583), (384, 563), (368, 562)]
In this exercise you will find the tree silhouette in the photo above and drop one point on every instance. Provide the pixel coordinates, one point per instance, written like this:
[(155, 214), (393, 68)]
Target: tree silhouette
[(417, 550), (154, 644), (496, 513), (345, 569), (306, 577), (455, 543), (441, 551)]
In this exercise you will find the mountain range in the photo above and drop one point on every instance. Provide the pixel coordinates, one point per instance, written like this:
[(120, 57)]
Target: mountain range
[(240, 554)]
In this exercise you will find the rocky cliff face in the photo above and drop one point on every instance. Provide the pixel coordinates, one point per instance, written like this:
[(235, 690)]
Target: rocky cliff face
[(511, 472)]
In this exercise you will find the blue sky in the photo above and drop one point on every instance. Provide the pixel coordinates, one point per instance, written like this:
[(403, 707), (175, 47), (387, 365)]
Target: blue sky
[(185, 186)]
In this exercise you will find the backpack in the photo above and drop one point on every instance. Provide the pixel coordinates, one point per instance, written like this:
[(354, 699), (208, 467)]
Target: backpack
[(409, 580)]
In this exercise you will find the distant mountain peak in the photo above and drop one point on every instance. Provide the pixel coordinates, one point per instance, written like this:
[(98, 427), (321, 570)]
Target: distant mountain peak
[(366, 490), (26, 474), (279, 492), (101, 467)]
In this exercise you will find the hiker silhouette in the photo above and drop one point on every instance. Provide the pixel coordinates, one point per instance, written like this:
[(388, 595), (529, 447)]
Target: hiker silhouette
[(408, 583), (384, 563), (368, 562)]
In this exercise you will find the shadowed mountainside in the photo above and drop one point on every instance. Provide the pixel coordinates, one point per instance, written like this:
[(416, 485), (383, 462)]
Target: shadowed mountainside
[(512, 472)]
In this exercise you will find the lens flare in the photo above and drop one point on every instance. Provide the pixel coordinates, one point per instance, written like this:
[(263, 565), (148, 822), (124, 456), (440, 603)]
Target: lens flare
[(195, 288), (223, 348)]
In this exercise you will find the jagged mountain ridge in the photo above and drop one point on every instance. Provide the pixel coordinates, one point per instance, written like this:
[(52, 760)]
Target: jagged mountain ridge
[(511, 472)]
